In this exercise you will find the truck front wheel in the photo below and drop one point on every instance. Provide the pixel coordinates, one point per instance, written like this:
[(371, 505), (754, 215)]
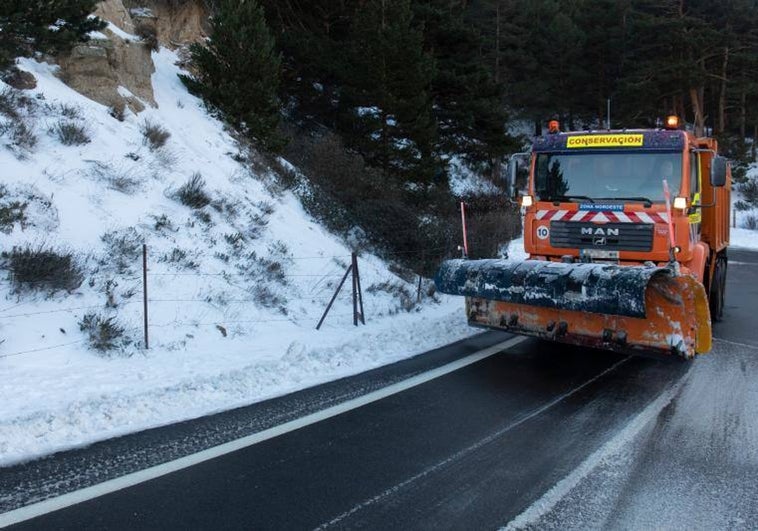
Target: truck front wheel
[(718, 289)]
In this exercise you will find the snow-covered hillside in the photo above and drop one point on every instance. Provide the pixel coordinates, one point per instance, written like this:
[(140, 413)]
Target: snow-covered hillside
[(235, 287)]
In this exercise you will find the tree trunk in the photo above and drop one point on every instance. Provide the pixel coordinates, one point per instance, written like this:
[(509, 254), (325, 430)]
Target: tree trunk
[(697, 109), (385, 145), (722, 94), (496, 169), (497, 42), (743, 114), (755, 137)]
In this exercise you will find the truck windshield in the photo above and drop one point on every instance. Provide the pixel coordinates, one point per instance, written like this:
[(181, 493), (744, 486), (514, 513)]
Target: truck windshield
[(630, 175)]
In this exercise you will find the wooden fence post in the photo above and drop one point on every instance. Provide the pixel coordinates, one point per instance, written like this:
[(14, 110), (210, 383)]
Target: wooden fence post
[(336, 292), (357, 293)]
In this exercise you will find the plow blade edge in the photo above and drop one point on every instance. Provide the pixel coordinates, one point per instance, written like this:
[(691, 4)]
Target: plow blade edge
[(631, 309)]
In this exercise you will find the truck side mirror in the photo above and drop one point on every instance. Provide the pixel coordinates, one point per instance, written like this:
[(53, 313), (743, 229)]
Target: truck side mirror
[(516, 164), (718, 171), (511, 177)]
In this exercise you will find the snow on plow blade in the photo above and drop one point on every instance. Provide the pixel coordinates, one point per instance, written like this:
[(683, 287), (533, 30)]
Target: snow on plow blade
[(631, 309)]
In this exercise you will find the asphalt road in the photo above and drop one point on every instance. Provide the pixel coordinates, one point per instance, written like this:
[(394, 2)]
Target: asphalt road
[(540, 435)]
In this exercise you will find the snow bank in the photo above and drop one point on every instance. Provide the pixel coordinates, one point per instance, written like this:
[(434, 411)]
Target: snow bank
[(740, 236), (218, 338)]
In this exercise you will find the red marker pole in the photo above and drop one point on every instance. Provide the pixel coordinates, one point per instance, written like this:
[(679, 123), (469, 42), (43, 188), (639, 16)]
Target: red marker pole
[(463, 223), (672, 239)]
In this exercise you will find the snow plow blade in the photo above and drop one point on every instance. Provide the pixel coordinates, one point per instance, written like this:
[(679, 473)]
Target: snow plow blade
[(628, 309)]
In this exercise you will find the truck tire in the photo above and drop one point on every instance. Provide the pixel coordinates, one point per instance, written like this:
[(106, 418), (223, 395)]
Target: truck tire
[(718, 289)]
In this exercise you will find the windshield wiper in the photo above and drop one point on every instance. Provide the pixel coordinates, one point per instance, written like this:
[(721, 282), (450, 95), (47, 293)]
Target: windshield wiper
[(572, 198), (648, 202)]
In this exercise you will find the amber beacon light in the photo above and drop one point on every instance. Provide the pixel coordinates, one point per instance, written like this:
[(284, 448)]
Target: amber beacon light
[(553, 126), (672, 122)]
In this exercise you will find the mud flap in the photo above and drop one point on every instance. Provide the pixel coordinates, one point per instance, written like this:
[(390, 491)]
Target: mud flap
[(635, 309)]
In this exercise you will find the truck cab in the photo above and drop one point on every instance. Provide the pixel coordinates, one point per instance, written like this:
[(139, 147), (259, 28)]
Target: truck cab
[(598, 196)]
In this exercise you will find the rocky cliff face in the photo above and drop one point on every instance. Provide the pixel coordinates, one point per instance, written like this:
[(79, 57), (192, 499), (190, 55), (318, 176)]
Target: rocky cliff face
[(116, 66), (178, 22)]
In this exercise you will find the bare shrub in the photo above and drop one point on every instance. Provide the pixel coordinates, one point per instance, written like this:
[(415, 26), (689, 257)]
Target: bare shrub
[(104, 334), (407, 300), (750, 222), (262, 269), (70, 133), (43, 269), (9, 103), (192, 193), (72, 112), (162, 223), (16, 107), (22, 135), (180, 258), (269, 269), (123, 249), (235, 240), (154, 135), (749, 191), (265, 207), (267, 298), (202, 215), (11, 211)]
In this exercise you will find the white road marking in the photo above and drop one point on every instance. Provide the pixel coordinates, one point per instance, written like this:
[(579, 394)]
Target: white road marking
[(462, 453), (72, 498), (548, 501)]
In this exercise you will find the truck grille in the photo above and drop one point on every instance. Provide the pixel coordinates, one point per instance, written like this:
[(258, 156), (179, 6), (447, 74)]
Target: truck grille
[(606, 236)]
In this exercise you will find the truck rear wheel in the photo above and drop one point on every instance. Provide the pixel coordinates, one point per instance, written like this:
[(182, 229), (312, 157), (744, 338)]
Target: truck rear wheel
[(718, 289)]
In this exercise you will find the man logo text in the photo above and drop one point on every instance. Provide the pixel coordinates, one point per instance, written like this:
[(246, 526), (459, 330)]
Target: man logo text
[(599, 231)]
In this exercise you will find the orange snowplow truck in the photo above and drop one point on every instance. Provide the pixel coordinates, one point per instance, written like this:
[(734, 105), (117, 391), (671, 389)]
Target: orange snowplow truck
[(626, 233)]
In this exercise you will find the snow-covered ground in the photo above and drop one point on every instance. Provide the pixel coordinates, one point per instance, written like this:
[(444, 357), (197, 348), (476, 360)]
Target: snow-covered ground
[(743, 238), (227, 328), (740, 236)]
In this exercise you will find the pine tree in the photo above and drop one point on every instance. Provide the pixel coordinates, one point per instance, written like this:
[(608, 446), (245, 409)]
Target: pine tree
[(387, 104), (467, 99), (48, 26), (238, 71)]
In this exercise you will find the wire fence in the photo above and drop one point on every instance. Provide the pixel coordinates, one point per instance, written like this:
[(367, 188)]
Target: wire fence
[(319, 288)]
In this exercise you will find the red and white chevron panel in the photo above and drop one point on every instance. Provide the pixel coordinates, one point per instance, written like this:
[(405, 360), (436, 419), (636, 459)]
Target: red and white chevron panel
[(602, 216)]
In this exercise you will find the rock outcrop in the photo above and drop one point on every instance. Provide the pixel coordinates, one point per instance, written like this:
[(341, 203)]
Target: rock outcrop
[(178, 22), (19, 79), (113, 71), (115, 68)]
